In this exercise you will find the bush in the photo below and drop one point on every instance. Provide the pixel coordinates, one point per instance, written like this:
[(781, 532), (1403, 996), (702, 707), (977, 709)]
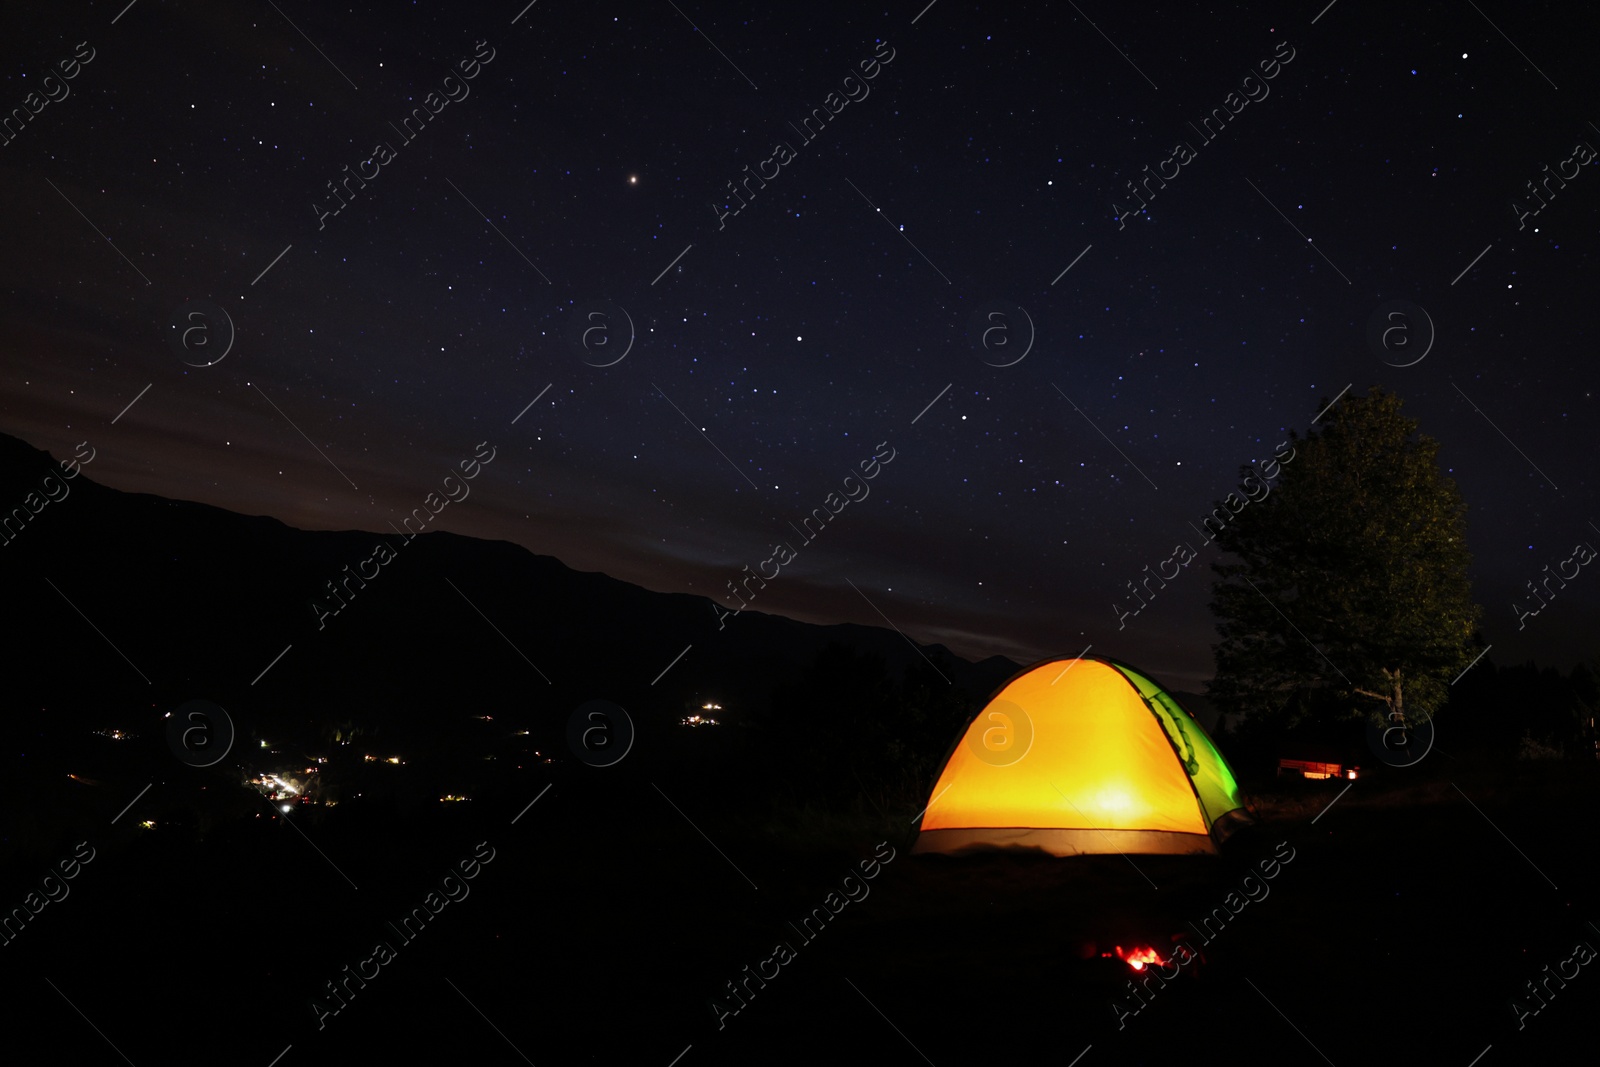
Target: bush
[(1531, 748)]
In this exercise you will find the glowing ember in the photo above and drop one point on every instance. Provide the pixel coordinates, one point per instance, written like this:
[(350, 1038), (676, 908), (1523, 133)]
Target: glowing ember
[(1139, 957)]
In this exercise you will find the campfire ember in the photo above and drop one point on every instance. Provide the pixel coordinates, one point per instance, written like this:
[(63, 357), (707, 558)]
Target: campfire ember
[(1138, 958)]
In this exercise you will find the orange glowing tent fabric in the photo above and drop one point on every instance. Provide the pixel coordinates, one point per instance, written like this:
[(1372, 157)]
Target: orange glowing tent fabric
[(1082, 755)]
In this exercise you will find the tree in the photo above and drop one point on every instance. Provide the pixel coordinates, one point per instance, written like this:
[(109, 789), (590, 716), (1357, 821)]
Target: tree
[(1349, 576)]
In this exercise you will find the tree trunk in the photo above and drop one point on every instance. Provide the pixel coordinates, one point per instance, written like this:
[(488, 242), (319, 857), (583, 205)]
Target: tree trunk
[(1394, 698)]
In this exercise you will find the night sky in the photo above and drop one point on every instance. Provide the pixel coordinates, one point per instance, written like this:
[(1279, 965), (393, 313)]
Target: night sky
[(962, 161)]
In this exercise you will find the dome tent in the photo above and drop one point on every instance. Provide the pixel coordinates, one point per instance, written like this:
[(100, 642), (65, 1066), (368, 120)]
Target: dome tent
[(1082, 755)]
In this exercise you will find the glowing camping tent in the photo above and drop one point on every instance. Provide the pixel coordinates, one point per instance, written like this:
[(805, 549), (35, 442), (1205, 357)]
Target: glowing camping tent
[(1082, 755)]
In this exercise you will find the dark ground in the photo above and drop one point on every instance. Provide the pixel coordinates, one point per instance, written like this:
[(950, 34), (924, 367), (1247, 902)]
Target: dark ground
[(1400, 931)]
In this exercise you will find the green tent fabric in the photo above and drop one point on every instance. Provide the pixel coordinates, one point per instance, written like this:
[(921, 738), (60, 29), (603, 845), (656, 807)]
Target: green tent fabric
[(1213, 779)]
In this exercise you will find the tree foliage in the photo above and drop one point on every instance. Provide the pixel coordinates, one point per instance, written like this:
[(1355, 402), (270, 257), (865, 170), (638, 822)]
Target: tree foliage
[(1350, 578)]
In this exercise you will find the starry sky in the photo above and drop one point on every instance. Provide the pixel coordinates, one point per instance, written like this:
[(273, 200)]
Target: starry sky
[(673, 370)]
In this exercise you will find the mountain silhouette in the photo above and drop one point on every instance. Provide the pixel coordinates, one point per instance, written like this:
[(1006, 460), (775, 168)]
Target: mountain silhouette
[(173, 600)]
